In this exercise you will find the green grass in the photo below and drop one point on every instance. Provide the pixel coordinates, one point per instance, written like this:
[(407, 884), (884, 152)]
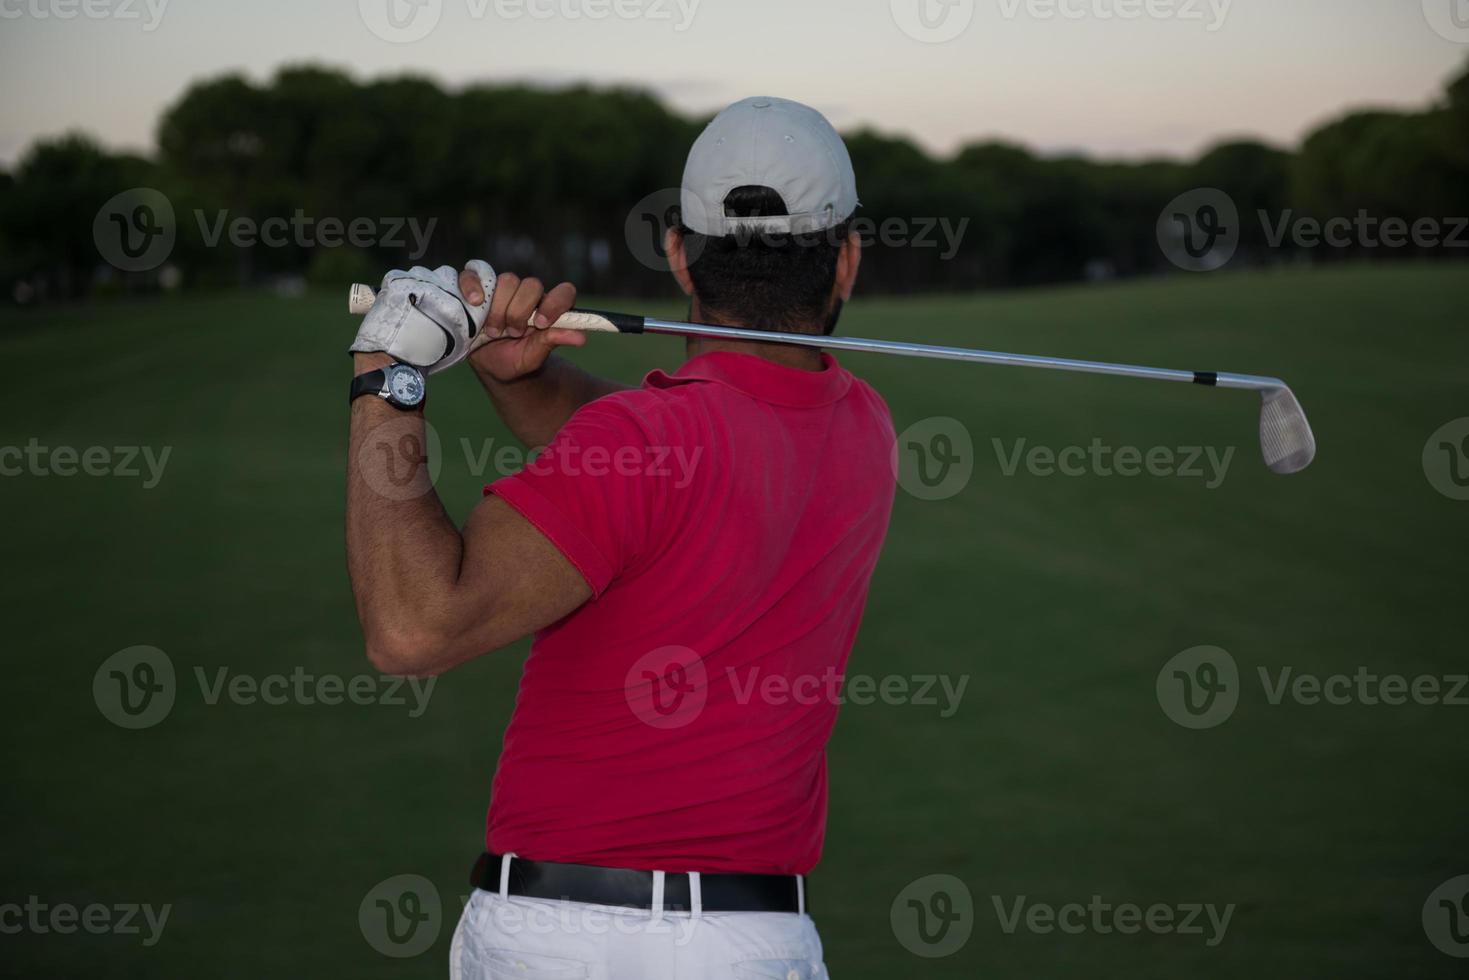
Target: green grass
[(1058, 778)]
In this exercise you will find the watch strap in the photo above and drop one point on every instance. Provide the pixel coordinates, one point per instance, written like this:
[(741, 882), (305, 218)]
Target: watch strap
[(370, 383)]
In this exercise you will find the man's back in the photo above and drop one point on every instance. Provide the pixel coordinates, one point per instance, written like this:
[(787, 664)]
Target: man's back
[(728, 519)]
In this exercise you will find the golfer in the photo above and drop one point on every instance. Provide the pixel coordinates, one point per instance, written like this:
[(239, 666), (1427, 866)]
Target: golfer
[(692, 557)]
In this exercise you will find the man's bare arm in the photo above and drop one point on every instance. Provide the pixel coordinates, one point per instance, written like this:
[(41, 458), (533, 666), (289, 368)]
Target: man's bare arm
[(428, 596), (533, 392), (535, 406)]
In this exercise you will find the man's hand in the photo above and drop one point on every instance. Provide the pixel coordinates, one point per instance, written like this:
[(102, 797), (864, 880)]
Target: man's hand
[(420, 316), (533, 393), (517, 336)]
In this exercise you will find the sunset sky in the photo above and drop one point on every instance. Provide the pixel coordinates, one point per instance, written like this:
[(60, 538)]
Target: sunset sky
[(1053, 74)]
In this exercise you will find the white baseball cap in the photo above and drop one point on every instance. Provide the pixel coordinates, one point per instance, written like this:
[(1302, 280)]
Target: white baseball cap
[(775, 143)]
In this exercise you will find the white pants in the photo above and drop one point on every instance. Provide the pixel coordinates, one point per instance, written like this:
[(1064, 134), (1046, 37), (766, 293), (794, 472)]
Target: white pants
[(534, 939)]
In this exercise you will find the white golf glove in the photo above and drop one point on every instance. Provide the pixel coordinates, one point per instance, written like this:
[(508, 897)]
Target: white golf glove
[(419, 317)]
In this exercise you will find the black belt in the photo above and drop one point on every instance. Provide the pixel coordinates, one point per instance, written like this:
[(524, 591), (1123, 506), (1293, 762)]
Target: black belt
[(626, 888)]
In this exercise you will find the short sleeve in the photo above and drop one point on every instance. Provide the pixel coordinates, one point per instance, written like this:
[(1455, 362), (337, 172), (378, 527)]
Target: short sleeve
[(587, 492)]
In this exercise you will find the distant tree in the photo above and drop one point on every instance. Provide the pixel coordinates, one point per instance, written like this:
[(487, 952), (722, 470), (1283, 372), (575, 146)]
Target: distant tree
[(1457, 92), (1053, 219), (1257, 178), (1128, 199), (1386, 164), (55, 193), (551, 181), (218, 139), (912, 208), (1325, 180)]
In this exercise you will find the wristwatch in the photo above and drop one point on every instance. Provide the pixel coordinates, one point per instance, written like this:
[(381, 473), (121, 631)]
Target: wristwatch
[(400, 385)]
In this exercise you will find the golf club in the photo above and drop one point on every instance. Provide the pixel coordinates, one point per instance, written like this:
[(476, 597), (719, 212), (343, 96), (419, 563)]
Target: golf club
[(1286, 441)]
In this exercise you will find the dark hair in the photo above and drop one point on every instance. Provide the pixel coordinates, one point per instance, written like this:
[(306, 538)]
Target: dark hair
[(766, 281)]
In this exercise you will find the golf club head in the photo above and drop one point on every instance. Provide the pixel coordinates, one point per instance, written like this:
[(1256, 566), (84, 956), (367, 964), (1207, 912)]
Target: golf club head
[(1286, 440)]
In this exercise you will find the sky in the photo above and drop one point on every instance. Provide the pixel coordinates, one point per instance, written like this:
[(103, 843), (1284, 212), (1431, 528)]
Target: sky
[(1113, 78)]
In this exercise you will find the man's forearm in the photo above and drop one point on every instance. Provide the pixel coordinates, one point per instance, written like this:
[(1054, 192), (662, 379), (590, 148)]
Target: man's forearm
[(403, 552), (535, 406)]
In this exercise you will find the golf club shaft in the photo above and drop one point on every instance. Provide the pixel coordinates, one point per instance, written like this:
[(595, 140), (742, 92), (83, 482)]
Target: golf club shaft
[(362, 298), (901, 349)]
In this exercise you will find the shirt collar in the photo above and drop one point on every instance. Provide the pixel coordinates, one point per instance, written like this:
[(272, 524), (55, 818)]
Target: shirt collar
[(762, 380)]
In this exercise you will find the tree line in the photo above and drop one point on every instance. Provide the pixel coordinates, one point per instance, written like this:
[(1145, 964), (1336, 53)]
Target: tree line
[(317, 176)]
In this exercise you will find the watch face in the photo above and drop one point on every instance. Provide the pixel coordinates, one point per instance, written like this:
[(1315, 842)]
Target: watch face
[(405, 385)]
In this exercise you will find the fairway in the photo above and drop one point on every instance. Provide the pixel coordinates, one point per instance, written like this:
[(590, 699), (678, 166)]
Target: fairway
[(1057, 599)]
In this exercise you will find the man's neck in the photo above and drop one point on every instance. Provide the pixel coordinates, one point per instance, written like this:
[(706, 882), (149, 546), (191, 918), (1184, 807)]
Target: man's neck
[(787, 355)]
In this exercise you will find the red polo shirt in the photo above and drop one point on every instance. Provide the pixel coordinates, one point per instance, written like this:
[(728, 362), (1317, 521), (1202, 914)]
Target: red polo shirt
[(728, 519)]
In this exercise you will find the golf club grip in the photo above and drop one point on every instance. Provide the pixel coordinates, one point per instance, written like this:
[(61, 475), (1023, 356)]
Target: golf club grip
[(588, 321), (599, 321)]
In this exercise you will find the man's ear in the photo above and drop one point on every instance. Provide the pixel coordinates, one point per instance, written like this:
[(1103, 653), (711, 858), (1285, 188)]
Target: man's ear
[(678, 262), (848, 259)]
